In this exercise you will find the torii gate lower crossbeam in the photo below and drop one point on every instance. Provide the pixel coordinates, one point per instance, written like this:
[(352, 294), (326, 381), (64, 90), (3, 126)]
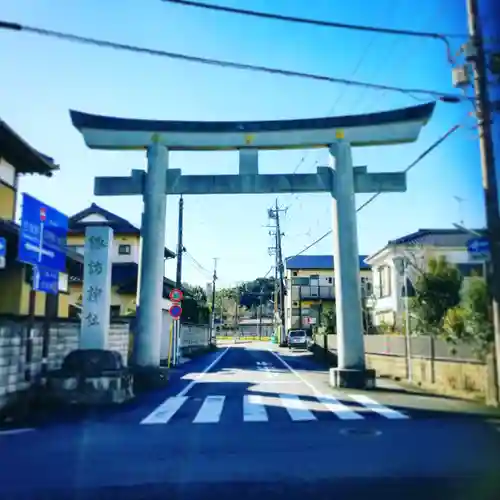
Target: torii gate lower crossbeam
[(342, 182)]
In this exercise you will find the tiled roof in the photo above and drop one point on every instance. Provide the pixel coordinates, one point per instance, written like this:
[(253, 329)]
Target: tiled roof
[(77, 224), (23, 157), (317, 262), (436, 237), (445, 238)]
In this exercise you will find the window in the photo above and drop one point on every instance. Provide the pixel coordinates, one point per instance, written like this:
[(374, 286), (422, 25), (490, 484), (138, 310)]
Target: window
[(300, 281), (384, 275), (314, 280), (124, 249)]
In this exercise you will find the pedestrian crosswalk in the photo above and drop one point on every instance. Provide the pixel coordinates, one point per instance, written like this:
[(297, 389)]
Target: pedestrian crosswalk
[(262, 408)]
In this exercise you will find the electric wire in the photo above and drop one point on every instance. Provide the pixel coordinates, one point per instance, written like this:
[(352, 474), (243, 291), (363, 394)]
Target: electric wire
[(70, 37), (326, 24), (431, 148)]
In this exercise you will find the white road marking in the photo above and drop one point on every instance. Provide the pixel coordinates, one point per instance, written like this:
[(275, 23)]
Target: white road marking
[(254, 409), (362, 399), (296, 408), (377, 407), (210, 410), (341, 410), (298, 375), (165, 411), (12, 432), (200, 375)]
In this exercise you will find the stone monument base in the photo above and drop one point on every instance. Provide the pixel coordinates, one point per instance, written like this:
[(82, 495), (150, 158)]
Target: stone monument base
[(91, 377), (352, 378)]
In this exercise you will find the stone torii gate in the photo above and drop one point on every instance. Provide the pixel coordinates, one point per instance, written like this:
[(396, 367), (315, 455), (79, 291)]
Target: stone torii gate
[(338, 134)]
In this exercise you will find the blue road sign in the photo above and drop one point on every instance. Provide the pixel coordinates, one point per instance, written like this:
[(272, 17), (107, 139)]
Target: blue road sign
[(42, 240), (3, 252), (175, 311), (478, 247), (45, 280)]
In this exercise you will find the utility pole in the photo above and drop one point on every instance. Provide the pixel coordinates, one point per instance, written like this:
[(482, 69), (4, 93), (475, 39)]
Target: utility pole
[(484, 118), (212, 316), (274, 214), (178, 281), (180, 246)]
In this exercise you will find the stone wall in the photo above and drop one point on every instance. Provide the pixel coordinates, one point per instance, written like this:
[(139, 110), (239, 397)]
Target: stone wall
[(435, 366), (63, 338)]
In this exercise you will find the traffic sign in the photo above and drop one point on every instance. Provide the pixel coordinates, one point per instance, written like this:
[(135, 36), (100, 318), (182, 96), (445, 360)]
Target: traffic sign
[(175, 311), (478, 248), (3, 252), (42, 239), (45, 280), (176, 295)]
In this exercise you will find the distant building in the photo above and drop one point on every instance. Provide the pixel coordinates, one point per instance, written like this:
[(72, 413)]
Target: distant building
[(125, 259), (310, 284), (417, 248)]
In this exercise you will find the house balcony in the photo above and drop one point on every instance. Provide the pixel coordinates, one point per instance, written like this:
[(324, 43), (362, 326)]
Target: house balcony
[(313, 293)]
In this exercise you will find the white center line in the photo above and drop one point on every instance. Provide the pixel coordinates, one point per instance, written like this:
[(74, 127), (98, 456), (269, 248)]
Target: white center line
[(200, 375), (210, 410), (254, 409), (165, 411)]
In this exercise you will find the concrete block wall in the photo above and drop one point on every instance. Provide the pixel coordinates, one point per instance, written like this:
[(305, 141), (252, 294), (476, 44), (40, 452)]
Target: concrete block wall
[(63, 338), (435, 366)]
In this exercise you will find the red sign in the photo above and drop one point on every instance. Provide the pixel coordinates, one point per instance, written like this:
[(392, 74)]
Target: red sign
[(176, 295), (43, 214), (175, 311)]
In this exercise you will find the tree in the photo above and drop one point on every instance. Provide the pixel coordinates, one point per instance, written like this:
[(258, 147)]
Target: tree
[(194, 305), (471, 321), (437, 290), (328, 320)]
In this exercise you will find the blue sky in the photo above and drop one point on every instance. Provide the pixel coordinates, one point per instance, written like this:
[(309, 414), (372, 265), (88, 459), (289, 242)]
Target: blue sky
[(44, 78)]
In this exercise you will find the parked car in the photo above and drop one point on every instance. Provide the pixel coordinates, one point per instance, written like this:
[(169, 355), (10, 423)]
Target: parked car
[(297, 339)]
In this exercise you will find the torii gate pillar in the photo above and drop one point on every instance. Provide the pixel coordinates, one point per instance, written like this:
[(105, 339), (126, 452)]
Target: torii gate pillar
[(147, 339), (350, 370)]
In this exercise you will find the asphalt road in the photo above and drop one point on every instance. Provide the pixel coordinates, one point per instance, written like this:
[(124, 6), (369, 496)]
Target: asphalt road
[(245, 422)]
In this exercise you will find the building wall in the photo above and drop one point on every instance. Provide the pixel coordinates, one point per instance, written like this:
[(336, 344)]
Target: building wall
[(7, 202), (125, 302), (15, 292), (78, 241), (8, 188)]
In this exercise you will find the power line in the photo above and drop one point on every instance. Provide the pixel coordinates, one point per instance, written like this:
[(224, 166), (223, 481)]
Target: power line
[(197, 264), (326, 24), (433, 146), (225, 64)]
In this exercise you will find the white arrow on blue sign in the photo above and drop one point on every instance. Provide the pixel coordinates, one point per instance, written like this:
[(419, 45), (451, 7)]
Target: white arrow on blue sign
[(478, 247)]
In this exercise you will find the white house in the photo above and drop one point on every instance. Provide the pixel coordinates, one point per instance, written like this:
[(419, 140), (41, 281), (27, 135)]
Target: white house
[(415, 250)]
